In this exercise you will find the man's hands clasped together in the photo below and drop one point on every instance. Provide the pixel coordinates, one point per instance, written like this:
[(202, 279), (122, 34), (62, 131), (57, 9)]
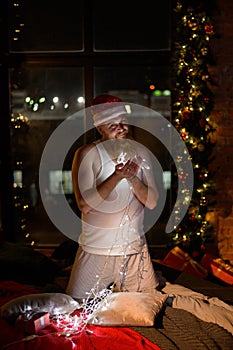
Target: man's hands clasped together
[(130, 169)]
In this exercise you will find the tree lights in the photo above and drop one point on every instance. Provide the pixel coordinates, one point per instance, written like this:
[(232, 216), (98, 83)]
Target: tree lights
[(193, 103)]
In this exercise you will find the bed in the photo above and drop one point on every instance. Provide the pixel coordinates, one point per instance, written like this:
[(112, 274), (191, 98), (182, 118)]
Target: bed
[(200, 318)]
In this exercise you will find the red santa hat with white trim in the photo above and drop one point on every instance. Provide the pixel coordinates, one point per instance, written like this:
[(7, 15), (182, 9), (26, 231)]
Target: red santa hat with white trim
[(106, 107)]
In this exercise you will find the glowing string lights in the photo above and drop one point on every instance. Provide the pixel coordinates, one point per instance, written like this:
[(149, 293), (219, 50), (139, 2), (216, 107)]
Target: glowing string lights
[(193, 102)]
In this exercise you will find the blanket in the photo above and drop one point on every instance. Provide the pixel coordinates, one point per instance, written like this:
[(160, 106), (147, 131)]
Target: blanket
[(180, 329), (92, 337), (54, 337), (208, 309), (177, 327), (183, 326)]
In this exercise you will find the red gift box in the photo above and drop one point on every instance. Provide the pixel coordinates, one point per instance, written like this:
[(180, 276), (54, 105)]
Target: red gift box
[(34, 323), (217, 267), (182, 261)]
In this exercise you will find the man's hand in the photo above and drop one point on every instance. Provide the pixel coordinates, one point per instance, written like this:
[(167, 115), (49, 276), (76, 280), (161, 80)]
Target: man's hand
[(128, 170)]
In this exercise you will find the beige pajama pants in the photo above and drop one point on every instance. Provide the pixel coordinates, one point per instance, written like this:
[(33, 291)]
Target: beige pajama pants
[(132, 273)]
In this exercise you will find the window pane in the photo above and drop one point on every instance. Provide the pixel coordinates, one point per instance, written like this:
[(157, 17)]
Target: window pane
[(38, 27), (131, 25), (47, 93), (145, 85), (33, 122)]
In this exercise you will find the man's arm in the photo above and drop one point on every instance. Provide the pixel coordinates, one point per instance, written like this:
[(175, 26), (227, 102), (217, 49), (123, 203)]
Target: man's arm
[(89, 196), (147, 195)]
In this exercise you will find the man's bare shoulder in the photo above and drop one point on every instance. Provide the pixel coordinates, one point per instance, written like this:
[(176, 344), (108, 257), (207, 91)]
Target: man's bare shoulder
[(84, 150)]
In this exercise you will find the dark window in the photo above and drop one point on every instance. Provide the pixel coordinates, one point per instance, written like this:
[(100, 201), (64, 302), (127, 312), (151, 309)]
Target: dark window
[(75, 50), (129, 25), (37, 26)]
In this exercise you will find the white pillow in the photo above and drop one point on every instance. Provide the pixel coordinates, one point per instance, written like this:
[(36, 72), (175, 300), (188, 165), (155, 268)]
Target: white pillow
[(54, 303), (128, 309)]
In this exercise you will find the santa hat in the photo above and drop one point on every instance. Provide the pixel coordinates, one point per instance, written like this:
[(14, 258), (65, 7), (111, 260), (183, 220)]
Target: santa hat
[(105, 108)]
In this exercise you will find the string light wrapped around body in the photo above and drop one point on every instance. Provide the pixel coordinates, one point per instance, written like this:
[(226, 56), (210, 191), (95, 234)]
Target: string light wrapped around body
[(75, 324)]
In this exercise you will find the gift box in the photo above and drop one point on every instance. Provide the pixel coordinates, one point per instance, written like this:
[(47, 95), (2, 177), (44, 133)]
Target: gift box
[(218, 268), (182, 261), (33, 323)]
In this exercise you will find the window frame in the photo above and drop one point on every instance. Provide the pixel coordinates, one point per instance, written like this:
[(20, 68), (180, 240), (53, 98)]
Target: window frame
[(88, 59)]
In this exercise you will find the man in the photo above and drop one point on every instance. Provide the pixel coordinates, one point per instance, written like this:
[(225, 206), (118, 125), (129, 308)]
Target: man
[(112, 183)]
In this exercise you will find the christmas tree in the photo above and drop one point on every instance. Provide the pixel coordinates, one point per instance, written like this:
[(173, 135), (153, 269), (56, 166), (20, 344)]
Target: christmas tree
[(193, 102)]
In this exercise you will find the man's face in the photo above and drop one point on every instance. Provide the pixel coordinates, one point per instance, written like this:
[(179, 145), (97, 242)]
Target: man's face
[(115, 129)]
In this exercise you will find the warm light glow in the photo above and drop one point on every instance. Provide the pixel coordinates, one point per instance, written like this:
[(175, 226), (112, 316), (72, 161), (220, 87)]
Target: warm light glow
[(55, 99), (81, 99)]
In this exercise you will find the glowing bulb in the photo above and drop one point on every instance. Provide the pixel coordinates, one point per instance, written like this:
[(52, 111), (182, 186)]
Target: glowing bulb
[(35, 107), (42, 99), (80, 99)]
